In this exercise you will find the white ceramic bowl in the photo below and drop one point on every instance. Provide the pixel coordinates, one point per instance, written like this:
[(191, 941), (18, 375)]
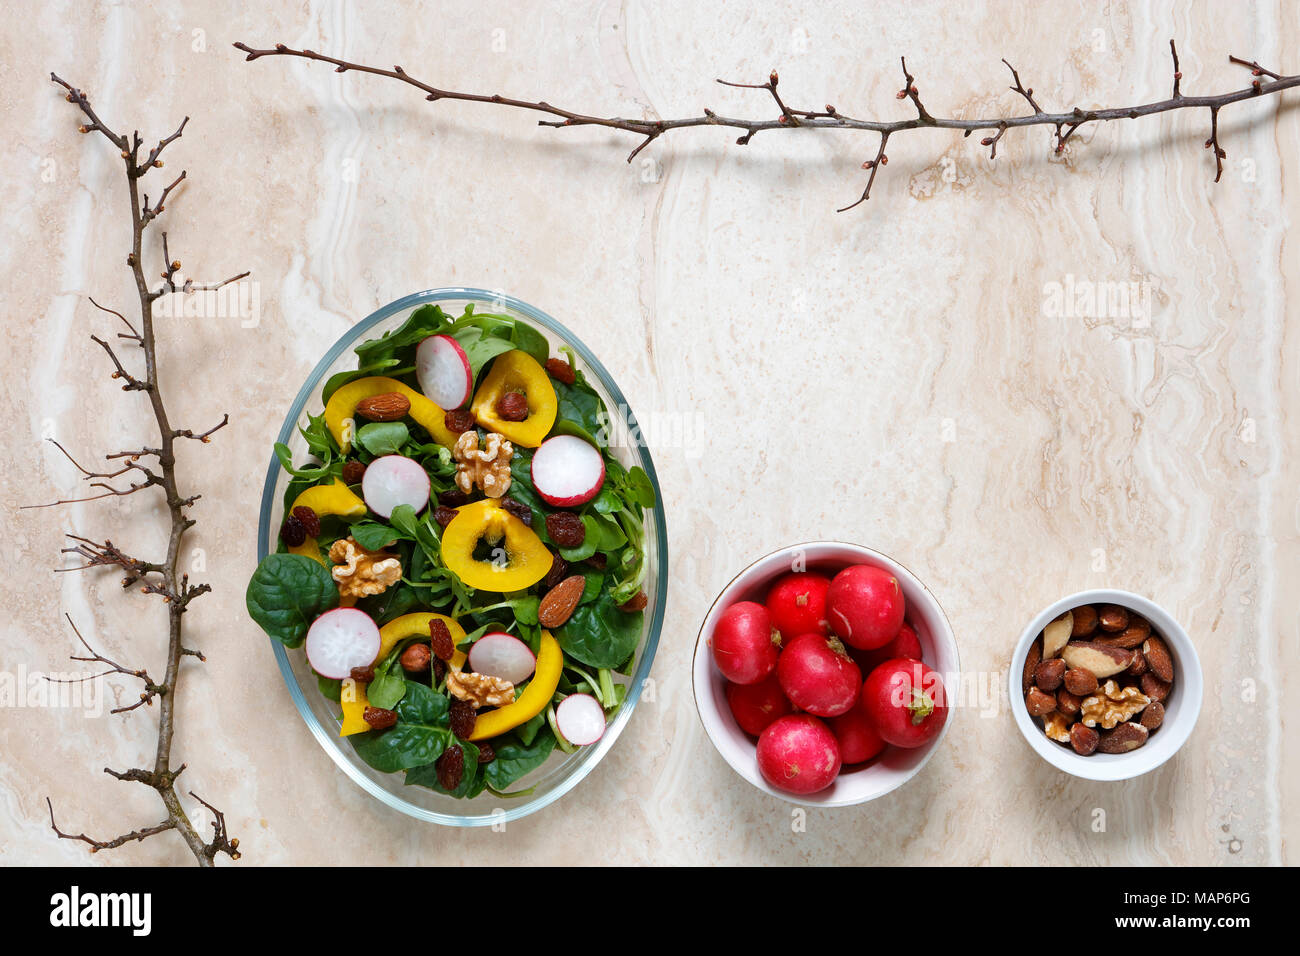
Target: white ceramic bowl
[(938, 646), (1182, 707)]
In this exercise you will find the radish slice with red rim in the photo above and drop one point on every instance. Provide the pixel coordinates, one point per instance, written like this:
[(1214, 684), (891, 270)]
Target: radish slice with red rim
[(502, 655), (394, 480), (340, 640), (444, 372), (581, 719), (567, 471)]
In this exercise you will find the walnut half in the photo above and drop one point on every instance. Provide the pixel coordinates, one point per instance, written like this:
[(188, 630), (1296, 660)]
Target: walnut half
[(359, 572), (1111, 705), (480, 689), (488, 467)]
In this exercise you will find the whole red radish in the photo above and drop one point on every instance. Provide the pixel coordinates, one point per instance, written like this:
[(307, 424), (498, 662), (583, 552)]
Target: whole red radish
[(818, 676), (798, 754), (797, 603), (864, 605), (905, 644), (745, 644), (856, 735), (756, 705), (906, 702)]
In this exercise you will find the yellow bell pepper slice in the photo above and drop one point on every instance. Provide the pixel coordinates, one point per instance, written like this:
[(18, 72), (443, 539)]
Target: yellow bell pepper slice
[(538, 693), (527, 559), (335, 499), (517, 371), (342, 407), (353, 699), (417, 625)]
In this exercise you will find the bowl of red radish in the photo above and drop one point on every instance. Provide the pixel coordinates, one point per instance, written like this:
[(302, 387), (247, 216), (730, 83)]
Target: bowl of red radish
[(822, 674)]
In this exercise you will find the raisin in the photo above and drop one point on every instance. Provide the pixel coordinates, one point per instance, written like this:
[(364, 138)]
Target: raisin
[(353, 472), (486, 754), (462, 718), (440, 642), (566, 529), (415, 659), (518, 509), (459, 420), (363, 675), (439, 671), (451, 767), (636, 602), (560, 370), (598, 561), (513, 406), (453, 498), (559, 571), (378, 718), (292, 533), (309, 519), (443, 515)]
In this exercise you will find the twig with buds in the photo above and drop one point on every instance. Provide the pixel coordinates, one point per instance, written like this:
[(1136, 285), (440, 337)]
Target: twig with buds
[(157, 577), (1064, 124)]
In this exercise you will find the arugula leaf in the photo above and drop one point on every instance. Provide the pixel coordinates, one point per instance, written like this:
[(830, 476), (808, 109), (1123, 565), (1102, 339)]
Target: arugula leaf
[(312, 473), (383, 438), (286, 593)]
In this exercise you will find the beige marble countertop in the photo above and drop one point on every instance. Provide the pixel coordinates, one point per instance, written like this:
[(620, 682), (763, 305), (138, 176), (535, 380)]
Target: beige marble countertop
[(896, 375)]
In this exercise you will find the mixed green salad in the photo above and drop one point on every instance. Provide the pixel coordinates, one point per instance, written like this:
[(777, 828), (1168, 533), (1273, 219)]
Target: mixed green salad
[(461, 557)]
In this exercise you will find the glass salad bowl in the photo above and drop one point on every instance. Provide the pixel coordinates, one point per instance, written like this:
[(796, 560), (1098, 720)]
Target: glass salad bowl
[(561, 772)]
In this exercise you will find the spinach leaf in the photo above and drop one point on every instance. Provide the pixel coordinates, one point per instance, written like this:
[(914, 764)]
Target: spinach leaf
[(425, 321), (527, 731), (528, 339), (579, 404), (286, 593), (470, 784), (599, 634), (515, 760), (383, 438), (479, 347), (418, 738)]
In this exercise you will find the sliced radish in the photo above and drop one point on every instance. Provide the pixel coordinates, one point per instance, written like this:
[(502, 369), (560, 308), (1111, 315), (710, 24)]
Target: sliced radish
[(340, 640), (581, 719), (567, 471), (443, 370), (394, 480), (502, 655)]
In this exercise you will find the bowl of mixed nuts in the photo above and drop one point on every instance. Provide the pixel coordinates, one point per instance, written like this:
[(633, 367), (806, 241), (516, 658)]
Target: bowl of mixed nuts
[(1105, 685)]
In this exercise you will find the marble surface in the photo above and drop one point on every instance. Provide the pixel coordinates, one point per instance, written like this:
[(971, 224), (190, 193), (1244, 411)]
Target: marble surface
[(899, 376)]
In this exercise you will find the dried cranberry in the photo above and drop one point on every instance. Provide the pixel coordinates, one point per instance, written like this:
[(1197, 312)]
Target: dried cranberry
[(451, 767), (310, 520), (443, 515), (378, 718), (439, 670), (518, 509), (458, 420), (486, 754), (462, 718), (513, 407), (560, 370), (363, 675), (636, 602), (292, 533), (566, 529), (453, 498), (353, 472), (559, 571), (440, 640), (598, 561)]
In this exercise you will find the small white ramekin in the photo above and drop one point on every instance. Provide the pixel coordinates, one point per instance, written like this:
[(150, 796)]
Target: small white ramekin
[(938, 646), (1181, 708)]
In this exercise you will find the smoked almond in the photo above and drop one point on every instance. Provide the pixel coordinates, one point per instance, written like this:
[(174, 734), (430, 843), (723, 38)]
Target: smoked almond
[(386, 407), (1158, 659), (558, 605)]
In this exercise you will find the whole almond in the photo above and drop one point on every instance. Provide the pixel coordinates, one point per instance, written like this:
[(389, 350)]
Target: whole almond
[(1112, 617), (386, 407), (1039, 703), (1032, 657), (1104, 661), (1083, 739), (558, 605), (1080, 681), (1153, 686), (1132, 636), (1139, 665), (1158, 659), (1083, 620), (1048, 674), (1127, 736), (1067, 703), (1153, 715)]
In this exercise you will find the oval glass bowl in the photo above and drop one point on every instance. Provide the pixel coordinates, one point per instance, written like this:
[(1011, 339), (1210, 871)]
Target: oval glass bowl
[(562, 771), (877, 777)]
